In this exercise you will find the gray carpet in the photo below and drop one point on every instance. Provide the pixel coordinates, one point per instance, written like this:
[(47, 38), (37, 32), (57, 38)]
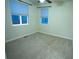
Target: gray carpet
[(40, 46)]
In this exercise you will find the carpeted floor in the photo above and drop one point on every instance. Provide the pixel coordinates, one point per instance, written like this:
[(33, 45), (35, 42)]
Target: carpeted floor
[(40, 46)]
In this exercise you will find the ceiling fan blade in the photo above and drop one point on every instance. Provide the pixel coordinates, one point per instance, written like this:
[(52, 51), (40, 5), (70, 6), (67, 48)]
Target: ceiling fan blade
[(38, 1), (49, 1)]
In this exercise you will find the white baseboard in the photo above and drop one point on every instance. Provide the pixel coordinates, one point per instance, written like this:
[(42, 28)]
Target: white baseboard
[(35, 32), (57, 35), (18, 37)]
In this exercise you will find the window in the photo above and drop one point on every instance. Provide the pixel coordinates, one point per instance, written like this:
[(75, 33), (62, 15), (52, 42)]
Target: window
[(44, 15), (19, 20), (19, 12)]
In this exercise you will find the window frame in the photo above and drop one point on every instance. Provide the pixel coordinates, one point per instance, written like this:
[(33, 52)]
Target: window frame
[(20, 16)]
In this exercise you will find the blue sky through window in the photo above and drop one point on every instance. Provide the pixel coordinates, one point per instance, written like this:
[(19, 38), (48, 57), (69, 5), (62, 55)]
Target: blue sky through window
[(15, 19)]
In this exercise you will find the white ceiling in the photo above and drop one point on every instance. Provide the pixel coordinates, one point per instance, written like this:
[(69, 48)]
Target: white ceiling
[(35, 1), (53, 1)]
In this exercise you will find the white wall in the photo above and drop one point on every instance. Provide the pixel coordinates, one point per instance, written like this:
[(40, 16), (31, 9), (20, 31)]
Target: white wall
[(12, 32), (60, 20)]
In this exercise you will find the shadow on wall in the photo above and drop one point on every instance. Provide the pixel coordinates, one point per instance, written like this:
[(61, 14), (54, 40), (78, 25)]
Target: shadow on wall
[(59, 3)]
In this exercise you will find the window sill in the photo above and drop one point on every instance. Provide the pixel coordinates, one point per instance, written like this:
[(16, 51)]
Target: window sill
[(19, 24)]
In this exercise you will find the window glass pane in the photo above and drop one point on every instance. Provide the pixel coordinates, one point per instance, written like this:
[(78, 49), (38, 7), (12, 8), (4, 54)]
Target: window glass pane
[(44, 20), (24, 19), (15, 19)]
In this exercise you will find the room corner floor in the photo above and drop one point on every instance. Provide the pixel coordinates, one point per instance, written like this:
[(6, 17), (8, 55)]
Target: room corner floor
[(40, 46)]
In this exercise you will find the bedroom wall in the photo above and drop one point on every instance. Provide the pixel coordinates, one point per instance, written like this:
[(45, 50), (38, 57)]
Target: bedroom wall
[(60, 20), (12, 32)]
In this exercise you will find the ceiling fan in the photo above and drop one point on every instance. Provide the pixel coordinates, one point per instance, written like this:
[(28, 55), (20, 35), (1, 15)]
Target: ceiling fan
[(42, 1), (49, 1)]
